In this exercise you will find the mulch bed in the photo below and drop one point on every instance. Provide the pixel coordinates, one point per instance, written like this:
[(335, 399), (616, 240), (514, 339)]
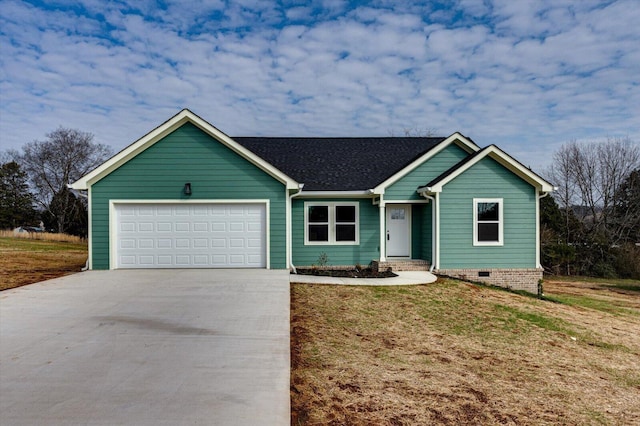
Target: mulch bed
[(347, 273)]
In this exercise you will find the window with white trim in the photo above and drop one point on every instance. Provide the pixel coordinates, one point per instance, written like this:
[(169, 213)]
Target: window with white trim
[(487, 221), (331, 223)]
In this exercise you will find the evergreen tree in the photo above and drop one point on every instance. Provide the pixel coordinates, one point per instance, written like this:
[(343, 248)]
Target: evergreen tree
[(16, 202)]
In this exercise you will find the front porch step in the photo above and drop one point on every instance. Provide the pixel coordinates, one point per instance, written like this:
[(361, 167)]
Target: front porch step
[(402, 265)]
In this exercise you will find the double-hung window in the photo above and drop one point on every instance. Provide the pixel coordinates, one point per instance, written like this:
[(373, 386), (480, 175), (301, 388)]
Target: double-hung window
[(487, 221), (331, 223)]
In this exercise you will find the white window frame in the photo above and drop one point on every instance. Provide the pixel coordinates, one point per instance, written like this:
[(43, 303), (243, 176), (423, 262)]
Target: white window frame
[(500, 221), (332, 223)]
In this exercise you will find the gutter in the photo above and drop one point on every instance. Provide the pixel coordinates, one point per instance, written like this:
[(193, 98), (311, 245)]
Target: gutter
[(290, 242), (337, 194)]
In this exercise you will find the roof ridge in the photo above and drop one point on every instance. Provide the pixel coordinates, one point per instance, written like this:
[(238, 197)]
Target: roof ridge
[(338, 137)]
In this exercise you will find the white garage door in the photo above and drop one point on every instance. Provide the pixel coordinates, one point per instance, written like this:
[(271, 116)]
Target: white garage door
[(190, 236)]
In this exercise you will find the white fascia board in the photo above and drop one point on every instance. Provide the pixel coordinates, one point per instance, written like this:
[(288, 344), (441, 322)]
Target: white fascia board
[(505, 160), (336, 194), (165, 129), (457, 138)]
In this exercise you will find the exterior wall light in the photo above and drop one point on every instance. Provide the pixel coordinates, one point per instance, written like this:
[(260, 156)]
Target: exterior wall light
[(187, 188)]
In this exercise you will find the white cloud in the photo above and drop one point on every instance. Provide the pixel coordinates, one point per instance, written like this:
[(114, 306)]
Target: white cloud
[(524, 75)]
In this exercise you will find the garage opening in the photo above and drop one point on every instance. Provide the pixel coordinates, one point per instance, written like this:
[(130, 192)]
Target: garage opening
[(190, 235)]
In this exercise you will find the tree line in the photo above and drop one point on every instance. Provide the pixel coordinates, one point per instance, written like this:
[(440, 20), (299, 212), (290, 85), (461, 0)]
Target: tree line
[(591, 224), (33, 181)]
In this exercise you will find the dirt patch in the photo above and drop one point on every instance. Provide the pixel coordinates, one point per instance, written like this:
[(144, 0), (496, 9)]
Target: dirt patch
[(455, 353), (26, 261)]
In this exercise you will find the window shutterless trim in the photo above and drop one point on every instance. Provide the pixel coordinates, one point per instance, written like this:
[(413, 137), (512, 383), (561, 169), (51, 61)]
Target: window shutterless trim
[(500, 221), (332, 223)]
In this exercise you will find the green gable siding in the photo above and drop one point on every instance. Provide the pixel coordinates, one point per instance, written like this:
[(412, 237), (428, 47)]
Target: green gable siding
[(487, 179), (187, 155), (405, 188), (365, 252)]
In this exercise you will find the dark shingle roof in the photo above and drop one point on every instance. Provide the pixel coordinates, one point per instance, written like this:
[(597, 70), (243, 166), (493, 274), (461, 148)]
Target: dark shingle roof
[(339, 164)]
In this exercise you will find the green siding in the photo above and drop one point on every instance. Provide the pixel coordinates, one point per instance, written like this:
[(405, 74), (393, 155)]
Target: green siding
[(487, 179), (187, 155), (405, 188), (427, 232), (417, 218), (365, 252), (421, 230)]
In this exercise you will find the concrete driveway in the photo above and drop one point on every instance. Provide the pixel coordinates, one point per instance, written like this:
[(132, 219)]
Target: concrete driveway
[(141, 347)]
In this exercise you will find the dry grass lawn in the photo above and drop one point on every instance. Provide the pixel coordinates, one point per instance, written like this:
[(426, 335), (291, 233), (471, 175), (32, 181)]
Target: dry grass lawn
[(27, 261), (456, 353)]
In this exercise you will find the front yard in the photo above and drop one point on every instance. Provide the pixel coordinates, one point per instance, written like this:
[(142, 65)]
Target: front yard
[(26, 261), (456, 353)]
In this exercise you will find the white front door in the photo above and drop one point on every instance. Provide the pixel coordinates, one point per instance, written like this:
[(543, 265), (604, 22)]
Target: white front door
[(398, 230)]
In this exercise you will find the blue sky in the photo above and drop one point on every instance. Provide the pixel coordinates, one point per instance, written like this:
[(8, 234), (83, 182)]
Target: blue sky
[(525, 75)]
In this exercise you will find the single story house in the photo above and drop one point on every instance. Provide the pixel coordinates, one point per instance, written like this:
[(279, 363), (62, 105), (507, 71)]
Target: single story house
[(186, 195)]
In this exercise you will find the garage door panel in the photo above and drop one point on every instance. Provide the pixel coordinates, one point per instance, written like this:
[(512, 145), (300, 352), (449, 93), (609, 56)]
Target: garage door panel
[(146, 243), (182, 227), (218, 242), (190, 236), (164, 243), (163, 227), (201, 226), (218, 227), (145, 227), (200, 243), (127, 226), (183, 243)]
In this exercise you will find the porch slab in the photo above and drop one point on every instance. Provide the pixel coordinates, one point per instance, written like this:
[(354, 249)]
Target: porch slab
[(403, 278)]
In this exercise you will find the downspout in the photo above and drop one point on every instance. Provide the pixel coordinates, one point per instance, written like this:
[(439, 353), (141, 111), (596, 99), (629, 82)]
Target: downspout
[(290, 242)]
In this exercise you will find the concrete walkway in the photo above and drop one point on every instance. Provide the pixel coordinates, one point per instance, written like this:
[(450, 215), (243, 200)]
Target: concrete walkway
[(163, 347), (403, 278)]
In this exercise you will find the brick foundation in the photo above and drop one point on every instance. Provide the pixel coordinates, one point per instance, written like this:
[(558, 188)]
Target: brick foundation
[(401, 265), (513, 279)]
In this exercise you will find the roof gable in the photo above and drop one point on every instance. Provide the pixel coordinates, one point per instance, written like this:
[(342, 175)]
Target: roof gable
[(457, 138), (498, 155), (157, 134)]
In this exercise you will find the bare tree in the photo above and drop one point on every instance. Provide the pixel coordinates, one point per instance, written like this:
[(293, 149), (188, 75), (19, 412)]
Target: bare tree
[(415, 132), (618, 160), (561, 173), (589, 178), (65, 156)]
